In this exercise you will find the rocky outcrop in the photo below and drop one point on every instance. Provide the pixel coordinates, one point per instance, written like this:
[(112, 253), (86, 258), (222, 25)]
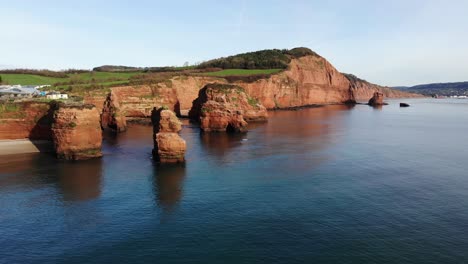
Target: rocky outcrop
[(404, 105), (224, 107), (32, 120), (76, 132), (137, 101), (363, 90), (377, 99), (169, 147), (112, 116), (307, 81)]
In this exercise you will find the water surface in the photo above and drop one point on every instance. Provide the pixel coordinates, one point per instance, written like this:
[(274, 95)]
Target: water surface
[(334, 184)]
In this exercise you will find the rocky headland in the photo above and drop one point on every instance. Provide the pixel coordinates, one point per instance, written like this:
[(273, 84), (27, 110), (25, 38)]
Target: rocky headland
[(219, 103)]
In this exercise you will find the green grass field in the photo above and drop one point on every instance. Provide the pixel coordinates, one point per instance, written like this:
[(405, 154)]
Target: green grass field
[(29, 79), (83, 82), (240, 72)]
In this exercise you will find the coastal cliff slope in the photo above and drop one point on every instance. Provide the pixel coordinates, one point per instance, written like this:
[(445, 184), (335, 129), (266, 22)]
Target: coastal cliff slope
[(306, 79)]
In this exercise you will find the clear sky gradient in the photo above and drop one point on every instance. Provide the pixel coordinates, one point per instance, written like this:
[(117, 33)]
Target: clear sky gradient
[(392, 42)]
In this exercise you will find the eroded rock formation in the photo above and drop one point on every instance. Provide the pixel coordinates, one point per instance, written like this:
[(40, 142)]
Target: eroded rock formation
[(112, 116), (377, 99), (23, 120), (308, 80), (362, 90), (76, 132), (169, 147), (224, 107)]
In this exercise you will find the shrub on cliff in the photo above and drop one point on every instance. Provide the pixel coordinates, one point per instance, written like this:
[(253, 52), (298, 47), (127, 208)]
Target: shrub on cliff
[(263, 59)]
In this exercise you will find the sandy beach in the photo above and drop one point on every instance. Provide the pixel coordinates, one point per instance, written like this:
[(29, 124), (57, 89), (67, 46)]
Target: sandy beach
[(19, 146)]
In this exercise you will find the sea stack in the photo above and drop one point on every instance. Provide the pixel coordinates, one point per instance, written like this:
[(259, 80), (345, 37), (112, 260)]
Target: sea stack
[(377, 99), (169, 147), (76, 132), (112, 117), (226, 108)]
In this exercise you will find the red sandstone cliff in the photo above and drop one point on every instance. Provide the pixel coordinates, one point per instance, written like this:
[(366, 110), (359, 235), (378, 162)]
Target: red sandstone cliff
[(225, 107), (31, 120), (363, 90), (76, 132), (308, 80), (112, 116)]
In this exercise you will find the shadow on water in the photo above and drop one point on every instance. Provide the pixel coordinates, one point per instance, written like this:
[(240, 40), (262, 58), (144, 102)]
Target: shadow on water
[(168, 181), (220, 144), (80, 181), (75, 181)]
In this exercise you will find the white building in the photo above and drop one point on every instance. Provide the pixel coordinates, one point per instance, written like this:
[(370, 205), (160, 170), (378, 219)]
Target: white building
[(17, 91), (55, 96)]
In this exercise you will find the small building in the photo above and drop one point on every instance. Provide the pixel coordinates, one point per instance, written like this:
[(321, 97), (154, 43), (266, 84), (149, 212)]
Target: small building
[(17, 91), (56, 95)]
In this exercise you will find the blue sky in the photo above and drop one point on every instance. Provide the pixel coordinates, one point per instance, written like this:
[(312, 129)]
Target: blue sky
[(386, 42)]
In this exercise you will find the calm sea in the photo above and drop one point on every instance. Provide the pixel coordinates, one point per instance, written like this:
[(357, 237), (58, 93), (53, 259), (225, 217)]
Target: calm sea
[(332, 184)]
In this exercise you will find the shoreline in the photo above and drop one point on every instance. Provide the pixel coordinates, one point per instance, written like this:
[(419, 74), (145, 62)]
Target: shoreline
[(23, 146)]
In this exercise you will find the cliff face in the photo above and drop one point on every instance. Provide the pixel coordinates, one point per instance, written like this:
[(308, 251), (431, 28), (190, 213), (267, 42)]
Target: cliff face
[(225, 107), (112, 116), (31, 120), (176, 94), (76, 132), (308, 80), (363, 91)]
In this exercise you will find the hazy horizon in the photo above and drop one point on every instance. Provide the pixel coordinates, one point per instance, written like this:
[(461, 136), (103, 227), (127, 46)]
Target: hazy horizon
[(402, 43)]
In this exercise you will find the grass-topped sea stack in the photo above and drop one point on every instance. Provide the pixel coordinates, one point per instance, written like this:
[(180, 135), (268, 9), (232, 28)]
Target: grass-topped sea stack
[(76, 132), (226, 108), (169, 147)]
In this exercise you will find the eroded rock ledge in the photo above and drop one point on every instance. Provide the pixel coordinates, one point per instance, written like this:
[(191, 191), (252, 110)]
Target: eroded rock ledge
[(169, 147), (226, 108)]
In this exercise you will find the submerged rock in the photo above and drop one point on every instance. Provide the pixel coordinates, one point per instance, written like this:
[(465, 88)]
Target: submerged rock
[(404, 105), (169, 147), (112, 116), (226, 108), (76, 132), (377, 99)]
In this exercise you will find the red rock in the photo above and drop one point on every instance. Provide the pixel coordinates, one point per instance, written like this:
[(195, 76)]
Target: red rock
[(165, 121), (22, 120), (377, 99), (169, 147), (76, 132), (224, 107), (112, 116), (308, 80), (363, 90)]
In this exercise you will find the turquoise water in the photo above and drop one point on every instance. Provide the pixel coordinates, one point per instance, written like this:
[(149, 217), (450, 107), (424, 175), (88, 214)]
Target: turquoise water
[(325, 185)]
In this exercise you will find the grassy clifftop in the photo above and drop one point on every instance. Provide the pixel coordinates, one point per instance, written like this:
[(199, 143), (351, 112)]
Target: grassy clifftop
[(249, 66)]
